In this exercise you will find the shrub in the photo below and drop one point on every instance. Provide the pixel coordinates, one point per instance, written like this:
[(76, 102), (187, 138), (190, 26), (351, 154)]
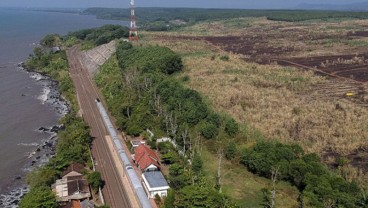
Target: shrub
[(231, 127), (94, 179), (209, 131), (40, 196)]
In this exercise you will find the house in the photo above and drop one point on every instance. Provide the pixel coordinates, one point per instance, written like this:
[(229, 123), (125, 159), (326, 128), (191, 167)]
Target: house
[(72, 186), (155, 183), (146, 159), (77, 168)]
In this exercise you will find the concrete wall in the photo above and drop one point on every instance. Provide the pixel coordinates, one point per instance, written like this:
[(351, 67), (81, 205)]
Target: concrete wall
[(94, 58)]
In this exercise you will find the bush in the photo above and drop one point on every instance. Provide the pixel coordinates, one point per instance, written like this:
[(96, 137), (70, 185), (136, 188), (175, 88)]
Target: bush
[(231, 127), (149, 59), (94, 179), (209, 131), (230, 150), (39, 196)]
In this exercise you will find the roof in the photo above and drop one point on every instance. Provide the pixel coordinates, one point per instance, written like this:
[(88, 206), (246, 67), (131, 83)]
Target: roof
[(78, 186), (73, 204), (71, 187), (77, 167), (155, 179), (87, 204), (145, 157)]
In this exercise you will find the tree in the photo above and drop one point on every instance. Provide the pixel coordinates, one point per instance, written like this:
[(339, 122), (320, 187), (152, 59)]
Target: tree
[(94, 179), (231, 127), (40, 197), (209, 131), (170, 157), (197, 163), (198, 196), (175, 170), (170, 199), (230, 151)]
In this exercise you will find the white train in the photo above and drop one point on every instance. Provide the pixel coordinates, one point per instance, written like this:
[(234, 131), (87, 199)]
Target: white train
[(124, 159)]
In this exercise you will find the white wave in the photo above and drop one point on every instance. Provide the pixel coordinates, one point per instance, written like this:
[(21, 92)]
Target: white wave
[(9, 200), (44, 94), (28, 144), (36, 76), (31, 154)]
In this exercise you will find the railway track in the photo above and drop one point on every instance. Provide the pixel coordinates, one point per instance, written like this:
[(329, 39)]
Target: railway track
[(114, 193)]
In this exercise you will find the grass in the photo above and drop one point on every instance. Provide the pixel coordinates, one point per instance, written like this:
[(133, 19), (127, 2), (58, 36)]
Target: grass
[(245, 187), (273, 102), (265, 96)]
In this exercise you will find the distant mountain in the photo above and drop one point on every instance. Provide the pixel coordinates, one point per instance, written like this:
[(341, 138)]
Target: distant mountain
[(363, 6)]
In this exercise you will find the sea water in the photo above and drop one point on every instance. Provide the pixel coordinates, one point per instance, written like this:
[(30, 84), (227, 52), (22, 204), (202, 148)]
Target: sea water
[(23, 96)]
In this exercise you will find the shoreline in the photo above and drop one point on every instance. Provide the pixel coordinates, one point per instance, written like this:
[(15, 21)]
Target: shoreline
[(44, 149)]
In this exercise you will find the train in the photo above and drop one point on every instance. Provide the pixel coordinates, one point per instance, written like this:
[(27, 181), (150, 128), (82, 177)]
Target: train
[(124, 159)]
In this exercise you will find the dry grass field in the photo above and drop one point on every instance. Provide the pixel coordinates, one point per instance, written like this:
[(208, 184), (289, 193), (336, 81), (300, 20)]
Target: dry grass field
[(238, 65)]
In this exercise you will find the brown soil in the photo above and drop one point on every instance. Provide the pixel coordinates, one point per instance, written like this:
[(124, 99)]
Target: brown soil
[(357, 159), (358, 34), (349, 66)]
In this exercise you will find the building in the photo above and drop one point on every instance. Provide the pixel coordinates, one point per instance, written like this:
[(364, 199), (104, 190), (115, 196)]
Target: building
[(72, 185), (136, 142), (77, 168), (146, 159), (155, 183)]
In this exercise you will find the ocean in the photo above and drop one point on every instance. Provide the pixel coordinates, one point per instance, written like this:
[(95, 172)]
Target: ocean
[(27, 100)]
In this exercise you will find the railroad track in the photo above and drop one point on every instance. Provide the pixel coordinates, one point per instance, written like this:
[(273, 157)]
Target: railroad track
[(113, 191)]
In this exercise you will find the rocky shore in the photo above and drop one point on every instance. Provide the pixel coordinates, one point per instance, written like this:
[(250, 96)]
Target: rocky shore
[(44, 149)]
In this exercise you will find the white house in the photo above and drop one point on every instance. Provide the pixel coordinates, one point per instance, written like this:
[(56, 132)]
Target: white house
[(155, 183)]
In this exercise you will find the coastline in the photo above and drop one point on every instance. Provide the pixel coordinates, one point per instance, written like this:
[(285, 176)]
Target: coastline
[(45, 148)]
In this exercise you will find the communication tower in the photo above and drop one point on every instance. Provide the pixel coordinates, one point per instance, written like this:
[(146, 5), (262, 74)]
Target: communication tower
[(133, 33)]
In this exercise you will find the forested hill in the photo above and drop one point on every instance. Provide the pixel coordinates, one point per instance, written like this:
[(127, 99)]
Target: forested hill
[(361, 6), (190, 15)]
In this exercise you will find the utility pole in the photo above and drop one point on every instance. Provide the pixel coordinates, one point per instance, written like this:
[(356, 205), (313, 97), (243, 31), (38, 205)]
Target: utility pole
[(133, 33)]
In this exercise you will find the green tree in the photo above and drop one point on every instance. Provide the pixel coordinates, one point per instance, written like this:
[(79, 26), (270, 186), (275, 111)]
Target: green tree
[(197, 163), (209, 131), (198, 196), (231, 127), (175, 170), (40, 197), (170, 199), (94, 179), (170, 157), (230, 150)]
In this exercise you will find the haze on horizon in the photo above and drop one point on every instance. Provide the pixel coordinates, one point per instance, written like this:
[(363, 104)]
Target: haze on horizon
[(259, 4)]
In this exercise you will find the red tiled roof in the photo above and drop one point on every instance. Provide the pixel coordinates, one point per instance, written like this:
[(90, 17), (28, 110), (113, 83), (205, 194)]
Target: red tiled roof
[(145, 157)]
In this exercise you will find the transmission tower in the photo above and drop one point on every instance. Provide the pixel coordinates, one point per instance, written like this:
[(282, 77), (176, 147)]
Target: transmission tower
[(133, 33)]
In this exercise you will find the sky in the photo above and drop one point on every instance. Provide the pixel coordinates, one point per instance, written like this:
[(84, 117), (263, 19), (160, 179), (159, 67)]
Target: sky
[(245, 4)]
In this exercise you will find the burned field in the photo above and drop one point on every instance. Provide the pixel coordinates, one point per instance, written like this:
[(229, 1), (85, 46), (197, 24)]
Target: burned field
[(352, 66), (337, 52), (258, 82)]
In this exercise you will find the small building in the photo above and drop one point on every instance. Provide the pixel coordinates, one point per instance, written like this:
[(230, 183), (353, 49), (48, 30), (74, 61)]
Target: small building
[(70, 187), (136, 142), (55, 49), (146, 159), (155, 183), (77, 168)]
